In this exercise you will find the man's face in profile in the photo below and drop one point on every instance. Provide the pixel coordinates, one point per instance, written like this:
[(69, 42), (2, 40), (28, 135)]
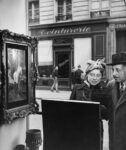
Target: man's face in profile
[(119, 72)]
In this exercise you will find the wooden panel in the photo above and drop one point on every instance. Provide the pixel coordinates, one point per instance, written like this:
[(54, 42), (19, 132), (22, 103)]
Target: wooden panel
[(99, 46), (70, 125)]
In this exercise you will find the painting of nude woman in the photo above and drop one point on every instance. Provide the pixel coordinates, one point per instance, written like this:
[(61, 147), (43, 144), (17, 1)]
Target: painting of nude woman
[(17, 75)]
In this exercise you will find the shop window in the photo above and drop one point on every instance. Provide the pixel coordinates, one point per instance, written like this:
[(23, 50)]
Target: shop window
[(33, 12), (100, 8), (64, 10)]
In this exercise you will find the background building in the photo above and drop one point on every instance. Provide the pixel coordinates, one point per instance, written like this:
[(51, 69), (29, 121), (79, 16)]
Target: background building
[(72, 31)]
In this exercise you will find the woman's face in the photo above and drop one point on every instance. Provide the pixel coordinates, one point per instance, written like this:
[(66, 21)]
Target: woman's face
[(94, 77)]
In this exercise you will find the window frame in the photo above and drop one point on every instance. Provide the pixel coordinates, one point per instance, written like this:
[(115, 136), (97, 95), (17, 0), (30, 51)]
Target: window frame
[(100, 5), (64, 16), (33, 12)]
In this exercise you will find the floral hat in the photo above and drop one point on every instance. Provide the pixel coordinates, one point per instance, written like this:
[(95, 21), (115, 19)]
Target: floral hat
[(98, 64)]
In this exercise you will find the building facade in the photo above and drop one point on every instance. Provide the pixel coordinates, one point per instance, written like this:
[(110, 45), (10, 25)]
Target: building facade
[(70, 32)]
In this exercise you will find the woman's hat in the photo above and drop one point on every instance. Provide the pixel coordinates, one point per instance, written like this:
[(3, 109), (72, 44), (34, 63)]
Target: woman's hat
[(98, 64), (119, 58)]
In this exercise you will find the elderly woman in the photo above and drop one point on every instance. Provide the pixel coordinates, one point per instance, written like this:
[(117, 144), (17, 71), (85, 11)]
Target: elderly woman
[(93, 88)]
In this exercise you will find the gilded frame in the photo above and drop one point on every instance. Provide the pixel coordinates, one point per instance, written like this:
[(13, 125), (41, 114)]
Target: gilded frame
[(19, 76)]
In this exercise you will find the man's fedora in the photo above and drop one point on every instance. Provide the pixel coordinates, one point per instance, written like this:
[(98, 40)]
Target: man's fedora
[(119, 58)]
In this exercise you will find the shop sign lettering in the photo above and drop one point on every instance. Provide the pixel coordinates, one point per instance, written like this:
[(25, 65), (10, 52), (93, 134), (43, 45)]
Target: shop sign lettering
[(120, 26), (69, 30)]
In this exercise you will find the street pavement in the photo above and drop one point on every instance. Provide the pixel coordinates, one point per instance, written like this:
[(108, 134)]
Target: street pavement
[(35, 121)]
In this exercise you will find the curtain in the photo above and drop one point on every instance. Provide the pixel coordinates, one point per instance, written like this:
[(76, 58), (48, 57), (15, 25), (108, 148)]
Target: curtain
[(82, 51), (45, 56)]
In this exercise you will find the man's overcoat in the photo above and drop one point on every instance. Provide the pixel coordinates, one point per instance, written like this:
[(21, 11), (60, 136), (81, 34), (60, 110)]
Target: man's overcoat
[(119, 117)]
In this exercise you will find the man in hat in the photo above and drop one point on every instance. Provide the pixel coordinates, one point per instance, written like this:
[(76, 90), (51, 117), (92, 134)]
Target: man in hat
[(117, 126), (73, 77)]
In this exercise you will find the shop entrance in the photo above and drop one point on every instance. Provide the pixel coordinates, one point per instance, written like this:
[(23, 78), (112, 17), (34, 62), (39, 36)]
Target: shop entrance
[(63, 61)]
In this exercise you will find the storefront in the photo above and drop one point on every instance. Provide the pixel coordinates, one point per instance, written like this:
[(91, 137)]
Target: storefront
[(67, 45), (116, 40)]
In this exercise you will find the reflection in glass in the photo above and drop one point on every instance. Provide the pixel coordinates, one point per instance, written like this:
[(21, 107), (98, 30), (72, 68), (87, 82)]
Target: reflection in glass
[(16, 75)]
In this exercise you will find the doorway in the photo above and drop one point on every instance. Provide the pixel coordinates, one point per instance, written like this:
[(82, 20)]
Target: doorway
[(63, 61)]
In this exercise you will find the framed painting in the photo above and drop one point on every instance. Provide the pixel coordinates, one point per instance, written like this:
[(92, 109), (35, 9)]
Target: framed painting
[(18, 75)]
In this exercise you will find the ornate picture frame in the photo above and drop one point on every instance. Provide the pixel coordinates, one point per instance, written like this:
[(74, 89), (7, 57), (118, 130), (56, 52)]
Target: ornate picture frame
[(18, 76)]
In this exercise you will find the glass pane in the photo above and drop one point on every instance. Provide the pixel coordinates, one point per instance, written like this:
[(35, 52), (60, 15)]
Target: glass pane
[(68, 2), (60, 7), (36, 4), (60, 2), (68, 9), (60, 10), (30, 5)]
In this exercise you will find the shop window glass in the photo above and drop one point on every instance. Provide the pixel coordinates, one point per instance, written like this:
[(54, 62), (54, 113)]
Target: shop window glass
[(99, 47)]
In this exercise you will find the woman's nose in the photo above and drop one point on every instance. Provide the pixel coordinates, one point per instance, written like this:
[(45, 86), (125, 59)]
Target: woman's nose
[(95, 77)]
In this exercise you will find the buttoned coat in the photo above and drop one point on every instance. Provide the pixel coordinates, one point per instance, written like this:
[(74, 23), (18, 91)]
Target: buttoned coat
[(119, 117)]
